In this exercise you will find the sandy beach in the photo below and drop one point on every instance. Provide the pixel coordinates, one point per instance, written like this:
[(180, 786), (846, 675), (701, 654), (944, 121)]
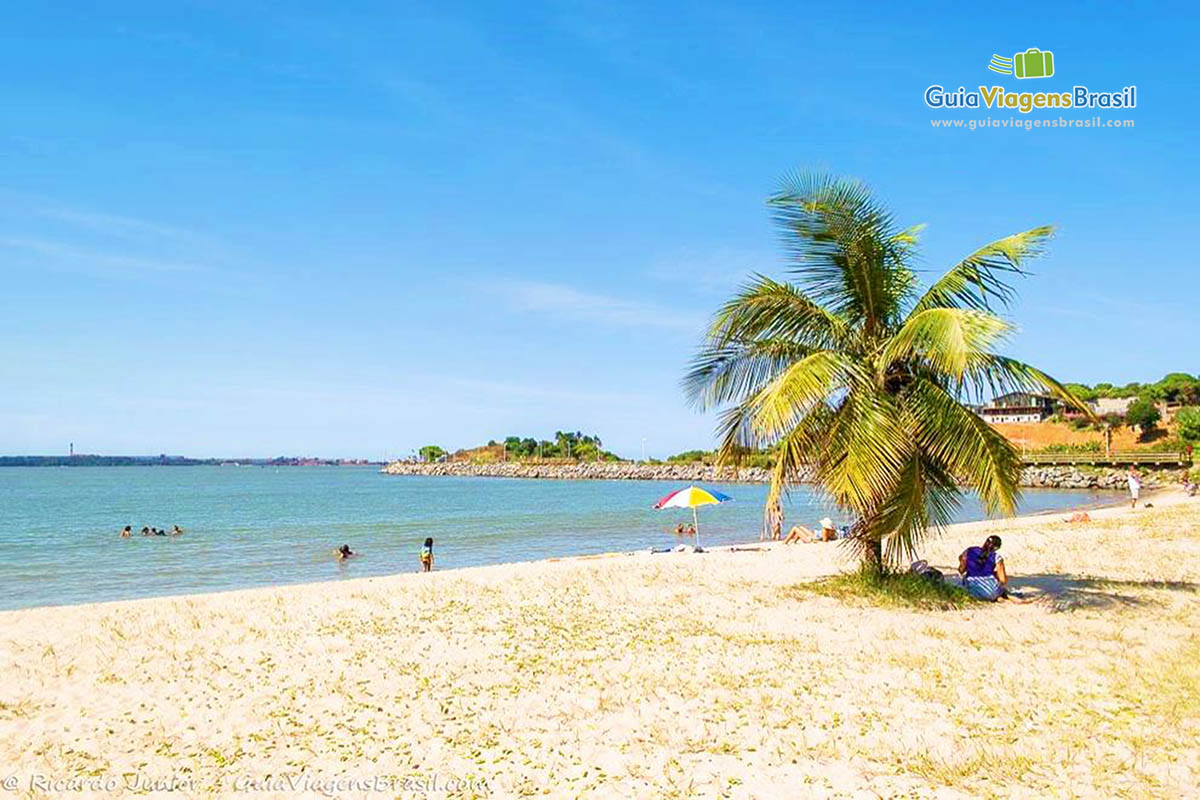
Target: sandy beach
[(677, 675)]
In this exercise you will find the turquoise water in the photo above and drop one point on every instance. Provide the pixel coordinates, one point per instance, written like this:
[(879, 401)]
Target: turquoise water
[(256, 526)]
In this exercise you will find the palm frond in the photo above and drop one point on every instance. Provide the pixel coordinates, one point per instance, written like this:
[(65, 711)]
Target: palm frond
[(808, 382), (769, 309), (980, 279), (947, 340), (965, 445), (724, 374), (864, 450), (845, 247), (1001, 375)]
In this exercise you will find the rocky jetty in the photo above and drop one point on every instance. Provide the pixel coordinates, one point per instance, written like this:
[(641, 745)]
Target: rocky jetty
[(1095, 477), (592, 470), (1058, 477)]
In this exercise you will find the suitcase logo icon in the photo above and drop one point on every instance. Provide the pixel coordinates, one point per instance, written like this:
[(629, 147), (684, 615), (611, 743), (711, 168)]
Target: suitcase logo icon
[(1033, 63)]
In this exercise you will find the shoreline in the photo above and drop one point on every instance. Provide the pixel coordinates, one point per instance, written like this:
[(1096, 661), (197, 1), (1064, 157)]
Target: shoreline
[(467, 571), (637, 676)]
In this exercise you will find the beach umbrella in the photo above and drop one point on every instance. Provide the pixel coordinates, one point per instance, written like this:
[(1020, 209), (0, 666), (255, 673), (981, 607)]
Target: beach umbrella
[(692, 497)]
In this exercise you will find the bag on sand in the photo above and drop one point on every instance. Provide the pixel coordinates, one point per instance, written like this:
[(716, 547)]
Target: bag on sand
[(923, 569)]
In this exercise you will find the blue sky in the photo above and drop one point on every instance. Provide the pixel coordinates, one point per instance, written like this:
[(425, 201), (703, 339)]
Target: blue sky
[(354, 229)]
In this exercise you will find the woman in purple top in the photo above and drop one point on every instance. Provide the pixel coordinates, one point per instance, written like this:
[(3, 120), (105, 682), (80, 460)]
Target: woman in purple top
[(982, 571)]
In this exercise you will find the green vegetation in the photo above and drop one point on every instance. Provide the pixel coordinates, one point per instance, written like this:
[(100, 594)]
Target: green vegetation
[(576, 446), (693, 457), (897, 589), (1085, 447), (1187, 421), (1175, 387), (763, 459), (1143, 414), (854, 374), (431, 452)]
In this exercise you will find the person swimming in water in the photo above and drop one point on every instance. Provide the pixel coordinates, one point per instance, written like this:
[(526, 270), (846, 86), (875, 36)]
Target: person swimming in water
[(344, 552), (126, 532), (176, 530), (146, 531)]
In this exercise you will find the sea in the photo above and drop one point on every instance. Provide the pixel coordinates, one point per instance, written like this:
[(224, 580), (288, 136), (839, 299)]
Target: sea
[(262, 526)]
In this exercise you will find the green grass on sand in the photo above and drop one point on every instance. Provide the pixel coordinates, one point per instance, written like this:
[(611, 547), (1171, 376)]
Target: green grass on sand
[(891, 589)]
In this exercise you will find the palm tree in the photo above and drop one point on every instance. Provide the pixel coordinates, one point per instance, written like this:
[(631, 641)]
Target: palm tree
[(857, 378)]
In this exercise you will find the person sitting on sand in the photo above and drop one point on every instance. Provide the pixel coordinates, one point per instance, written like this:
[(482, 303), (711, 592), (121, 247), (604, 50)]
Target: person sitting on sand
[(983, 574), (343, 552), (427, 555), (126, 532), (1189, 486)]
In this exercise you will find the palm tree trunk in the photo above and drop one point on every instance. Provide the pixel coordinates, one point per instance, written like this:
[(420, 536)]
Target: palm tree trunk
[(873, 556)]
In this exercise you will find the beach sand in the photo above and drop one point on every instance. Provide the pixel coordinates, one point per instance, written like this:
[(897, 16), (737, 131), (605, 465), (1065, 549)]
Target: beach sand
[(630, 676)]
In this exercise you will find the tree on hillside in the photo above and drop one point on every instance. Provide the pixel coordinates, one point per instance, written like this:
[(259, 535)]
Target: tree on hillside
[(859, 377), (1082, 391), (1187, 420), (1179, 387), (1143, 415)]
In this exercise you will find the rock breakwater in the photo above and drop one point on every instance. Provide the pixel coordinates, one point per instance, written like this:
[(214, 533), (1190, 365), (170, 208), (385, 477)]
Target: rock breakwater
[(1057, 477)]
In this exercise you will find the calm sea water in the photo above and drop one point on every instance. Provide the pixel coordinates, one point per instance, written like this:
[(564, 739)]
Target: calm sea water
[(255, 526)]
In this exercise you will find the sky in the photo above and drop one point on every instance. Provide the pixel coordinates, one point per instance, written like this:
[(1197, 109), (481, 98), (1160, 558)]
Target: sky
[(353, 229)]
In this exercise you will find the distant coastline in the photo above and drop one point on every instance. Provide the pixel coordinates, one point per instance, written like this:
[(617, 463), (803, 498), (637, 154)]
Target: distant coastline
[(179, 461)]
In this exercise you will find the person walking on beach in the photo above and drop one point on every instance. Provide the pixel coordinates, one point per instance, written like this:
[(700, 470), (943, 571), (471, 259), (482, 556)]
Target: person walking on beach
[(1135, 485), (427, 555)]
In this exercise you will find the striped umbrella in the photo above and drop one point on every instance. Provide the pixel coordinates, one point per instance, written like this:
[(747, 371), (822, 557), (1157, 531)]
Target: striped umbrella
[(692, 497)]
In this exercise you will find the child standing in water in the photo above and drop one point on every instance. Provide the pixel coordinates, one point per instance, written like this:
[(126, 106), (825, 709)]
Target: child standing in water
[(427, 555)]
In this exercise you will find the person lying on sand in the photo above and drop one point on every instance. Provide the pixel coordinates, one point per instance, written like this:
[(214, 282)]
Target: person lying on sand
[(983, 573), (343, 552), (799, 533), (1080, 516)]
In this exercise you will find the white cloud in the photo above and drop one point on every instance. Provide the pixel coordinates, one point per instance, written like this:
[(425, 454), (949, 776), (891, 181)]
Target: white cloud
[(113, 225), (567, 301), (69, 254)]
